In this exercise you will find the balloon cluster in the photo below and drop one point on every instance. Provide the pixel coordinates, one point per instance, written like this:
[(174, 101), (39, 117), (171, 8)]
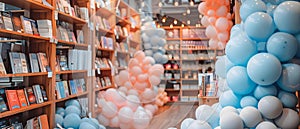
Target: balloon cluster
[(261, 77), (133, 104), (217, 20), (69, 117), (154, 41)]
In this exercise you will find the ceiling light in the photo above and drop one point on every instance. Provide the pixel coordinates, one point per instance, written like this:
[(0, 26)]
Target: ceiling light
[(192, 3), (176, 3), (188, 11), (188, 22), (175, 21)]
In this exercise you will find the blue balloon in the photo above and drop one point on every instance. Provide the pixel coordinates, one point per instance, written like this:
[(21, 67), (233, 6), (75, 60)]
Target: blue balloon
[(235, 30), (287, 17), (73, 102), (289, 79), (86, 125), (264, 69), (228, 98), (298, 39), (58, 119), (251, 6), (289, 100), (72, 109), (61, 111), (239, 81), (254, 24), (240, 49), (248, 101), (270, 9), (262, 91), (282, 45), (71, 121), (228, 64), (261, 47)]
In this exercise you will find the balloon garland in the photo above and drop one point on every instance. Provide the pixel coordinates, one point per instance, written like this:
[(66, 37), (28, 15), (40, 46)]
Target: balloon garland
[(258, 68)]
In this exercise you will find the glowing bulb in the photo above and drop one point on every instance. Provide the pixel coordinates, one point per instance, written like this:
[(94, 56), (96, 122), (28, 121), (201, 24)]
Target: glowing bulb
[(175, 21), (163, 20), (158, 25), (182, 25), (191, 3), (176, 3), (188, 11), (184, 14), (143, 4), (160, 4), (188, 22), (171, 26)]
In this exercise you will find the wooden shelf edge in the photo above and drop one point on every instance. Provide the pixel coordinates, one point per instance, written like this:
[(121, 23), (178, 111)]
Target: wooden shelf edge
[(18, 35), (71, 97), (68, 18), (24, 74), (72, 43), (185, 39), (172, 39), (103, 88), (28, 3), (104, 49), (71, 71), (23, 109), (105, 69)]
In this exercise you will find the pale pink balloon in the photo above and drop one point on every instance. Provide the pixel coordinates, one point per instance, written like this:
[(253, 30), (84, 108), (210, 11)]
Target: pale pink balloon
[(139, 55), (126, 126), (212, 20), (213, 43), (202, 8), (148, 94), (222, 11), (227, 2), (211, 13), (109, 94), (148, 60), (159, 102), (142, 77), (114, 122), (204, 21), (119, 99), (223, 36), (141, 119), (146, 68), (133, 92), (128, 85), (154, 80), (124, 76), (123, 89), (140, 86), (135, 71), (211, 32), (150, 107), (133, 102), (101, 94), (103, 120), (133, 62), (228, 16), (117, 80), (155, 72), (125, 115), (150, 114), (221, 45), (222, 24), (158, 66), (109, 110)]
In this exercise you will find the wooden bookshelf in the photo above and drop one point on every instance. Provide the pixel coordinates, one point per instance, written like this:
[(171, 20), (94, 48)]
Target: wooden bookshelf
[(24, 74), (72, 96), (103, 88), (28, 4), (70, 19), (21, 36), (72, 43), (71, 71)]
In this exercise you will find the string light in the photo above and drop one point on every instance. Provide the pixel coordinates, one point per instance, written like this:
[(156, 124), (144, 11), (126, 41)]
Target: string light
[(160, 4), (176, 3), (192, 3), (171, 26), (158, 25), (188, 11), (183, 14), (182, 25), (188, 22), (175, 21), (164, 19)]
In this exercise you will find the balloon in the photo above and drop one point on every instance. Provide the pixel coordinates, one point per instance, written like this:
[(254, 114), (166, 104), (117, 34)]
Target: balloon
[(147, 46), (202, 8), (289, 119), (148, 60), (148, 53), (148, 94), (211, 13), (160, 32), (125, 115), (136, 70), (251, 6), (270, 9), (286, 17), (128, 85), (228, 64), (123, 76), (228, 98), (264, 69), (207, 114), (228, 109), (255, 22), (251, 116), (240, 49), (213, 43), (142, 77), (58, 119), (222, 11), (186, 122), (288, 100), (223, 36), (72, 109), (231, 121), (220, 66), (86, 125), (61, 111), (262, 91), (141, 119), (236, 30), (117, 80), (239, 81), (212, 20), (109, 110), (145, 38), (248, 101), (266, 125), (139, 55), (204, 21), (110, 93), (151, 108), (211, 32), (133, 102), (123, 89), (198, 124), (119, 99), (157, 56), (114, 122), (140, 86), (283, 45), (71, 121), (222, 24), (270, 107), (103, 120), (132, 92), (298, 38), (289, 79), (133, 62)]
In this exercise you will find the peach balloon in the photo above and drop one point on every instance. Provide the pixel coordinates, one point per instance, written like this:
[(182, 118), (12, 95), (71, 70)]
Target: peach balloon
[(221, 45), (133, 80), (222, 11), (132, 102), (125, 115), (211, 32), (202, 8), (109, 110), (148, 94), (117, 80), (141, 119), (211, 13), (155, 72), (154, 80), (114, 122), (139, 55), (123, 89), (158, 66), (135, 71), (222, 24), (223, 36), (109, 94), (142, 77), (204, 21), (140, 86), (133, 62), (128, 85), (150, 107), (123, 76), (212, 20), (146, 68), (119, 99), (213, 43), (148, 60), (133, 92)]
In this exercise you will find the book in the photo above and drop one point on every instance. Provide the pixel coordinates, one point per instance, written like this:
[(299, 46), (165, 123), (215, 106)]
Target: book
[(17, 126), (78, 86), (16, 63), (61, 89), (72, 86), (57, 91), (16, 20), (72, 59), (66, 88), (30, 97), (34, 63), (34, 26), (26, 23), (43, 62), (29, 124), (12, 99), (38, 93), (22, 98), (2, 67), (24, 63), (107, 81), (1, 22), (3, 106), (43, 121), (44, 93), (63, 62), (6, 17)]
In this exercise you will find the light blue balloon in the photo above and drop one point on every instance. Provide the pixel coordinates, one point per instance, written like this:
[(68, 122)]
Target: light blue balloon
[(73, 102), (289, 79), (220, 67), (228, 98), (282, 45), (262, 91), (58, 119), (264, 69), (289, 100), (287, 17), (270, 9), (235, 30), (61, 111), (248, 101), (164, 59), (251, 6), (240, 49), (71, 121), (254, 24), (261, 47), (228, 64), (86, 125), (239, 81), (298, 39), (147, 46), (72, 109), (148, 53), (157, 57)]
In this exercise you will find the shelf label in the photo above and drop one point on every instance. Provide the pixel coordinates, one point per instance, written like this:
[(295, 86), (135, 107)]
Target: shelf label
[(49, 74), (56, 15)]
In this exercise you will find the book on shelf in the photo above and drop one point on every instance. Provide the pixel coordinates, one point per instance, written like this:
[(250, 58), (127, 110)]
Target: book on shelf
[(24, 63), (34, 63), (66, 88), (84, 13), (2, 67), (57, 91), (44, 93), (22, 98), (84, 106), (107, 81), (1, 21), (3, 102), (72, 59), (30, 97), (73, 88), (12, 99), (80, 36), (34, 27), (16, 63), (39, 122), (45, 28), (43, 121), (26, 23), (17, 24), (43, 62), (6, 17), (38, 93)]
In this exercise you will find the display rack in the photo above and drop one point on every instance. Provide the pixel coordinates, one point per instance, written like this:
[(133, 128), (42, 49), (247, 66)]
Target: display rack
[(179, 52)]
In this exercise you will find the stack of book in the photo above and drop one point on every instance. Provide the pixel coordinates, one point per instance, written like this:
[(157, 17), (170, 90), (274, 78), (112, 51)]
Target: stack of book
[(45, 28), (39, 122), (66, 88), (76, 11), (102, 63), (102, 82), (106, 43)]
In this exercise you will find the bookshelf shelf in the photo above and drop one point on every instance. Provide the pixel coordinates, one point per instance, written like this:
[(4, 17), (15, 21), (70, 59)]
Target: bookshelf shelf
[(105, 31), (122, 52), (185, 39), (173, 39), (189, 79), (174, 90), (24, 74), (71, 19), (105, 69), (103, 88), (121, 68), (71, 97), (197, 49), (104, 12), (28, 4), (104, 49), (71, 71), (72, 43), (24, 109), (190, 89), (21, 36)]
